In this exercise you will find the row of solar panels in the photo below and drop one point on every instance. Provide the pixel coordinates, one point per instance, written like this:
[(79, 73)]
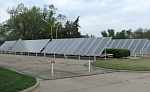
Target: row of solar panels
[(136, 46), (77, 46)]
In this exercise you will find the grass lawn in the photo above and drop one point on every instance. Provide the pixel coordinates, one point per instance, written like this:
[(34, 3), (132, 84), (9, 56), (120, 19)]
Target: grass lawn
[(11, 81), (141, 64)]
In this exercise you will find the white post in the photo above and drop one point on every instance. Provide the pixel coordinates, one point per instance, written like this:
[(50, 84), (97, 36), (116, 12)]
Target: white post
[(65, 56), (65, 59), (89, 65), (56, 31), (52, 69), (51, 32), (105, 54), (94, 58), (135, 55), (36, 54), (141, 53), (54, 56), (79, 58), (44, 54)]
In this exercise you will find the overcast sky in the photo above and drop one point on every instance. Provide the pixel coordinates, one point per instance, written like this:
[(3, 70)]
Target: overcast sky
[(95, 15)]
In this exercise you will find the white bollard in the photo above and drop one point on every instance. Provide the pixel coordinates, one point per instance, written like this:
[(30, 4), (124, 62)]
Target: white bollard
[(79, 58), (105, 54), (52, 69), (44, 54), (135, 55), (94, 58), (54, 56), (89, 65), (65, 57), (36, 54)]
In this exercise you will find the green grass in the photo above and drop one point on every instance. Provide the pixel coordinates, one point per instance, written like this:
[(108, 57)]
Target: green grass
[(11, 81), (141, 64)]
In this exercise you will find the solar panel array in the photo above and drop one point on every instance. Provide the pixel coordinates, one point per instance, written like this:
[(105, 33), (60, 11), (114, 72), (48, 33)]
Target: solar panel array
[(136, 46), (7, 45), (146, 48), (34, 46), (77, 46)]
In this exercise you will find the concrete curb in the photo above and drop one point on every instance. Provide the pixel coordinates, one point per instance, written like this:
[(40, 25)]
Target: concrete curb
[(114, 70), (33, 88)]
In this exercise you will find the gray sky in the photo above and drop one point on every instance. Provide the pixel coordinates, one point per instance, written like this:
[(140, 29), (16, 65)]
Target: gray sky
[(96, 15)]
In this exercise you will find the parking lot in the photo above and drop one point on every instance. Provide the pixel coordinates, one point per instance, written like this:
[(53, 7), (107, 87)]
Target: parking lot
[(73, 76), (40, 67), (109, 82)]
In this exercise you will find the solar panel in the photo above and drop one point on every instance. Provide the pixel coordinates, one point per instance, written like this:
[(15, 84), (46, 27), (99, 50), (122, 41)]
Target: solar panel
[(115, 43), (140, 46), (90, 46), (121, 43), (77, 46), (102, 46), (84, 46), (146, 48), (7, 45), (34, 46), (134, 45)]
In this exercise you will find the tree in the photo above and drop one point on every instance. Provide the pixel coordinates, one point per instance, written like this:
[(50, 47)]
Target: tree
[(104, 34), (71, 29), (111, 33), (139, 33), (37, 23)]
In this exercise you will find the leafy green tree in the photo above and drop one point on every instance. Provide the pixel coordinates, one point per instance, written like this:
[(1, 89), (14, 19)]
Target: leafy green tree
[(38, 23), (111, 33), (104, 34)]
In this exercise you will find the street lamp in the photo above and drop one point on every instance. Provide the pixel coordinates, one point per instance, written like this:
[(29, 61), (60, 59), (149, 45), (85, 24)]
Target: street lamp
[(50, 28), (60, 18)]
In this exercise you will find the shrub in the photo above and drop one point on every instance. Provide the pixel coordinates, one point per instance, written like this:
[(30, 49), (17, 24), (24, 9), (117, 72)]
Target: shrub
[(118, 53)]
